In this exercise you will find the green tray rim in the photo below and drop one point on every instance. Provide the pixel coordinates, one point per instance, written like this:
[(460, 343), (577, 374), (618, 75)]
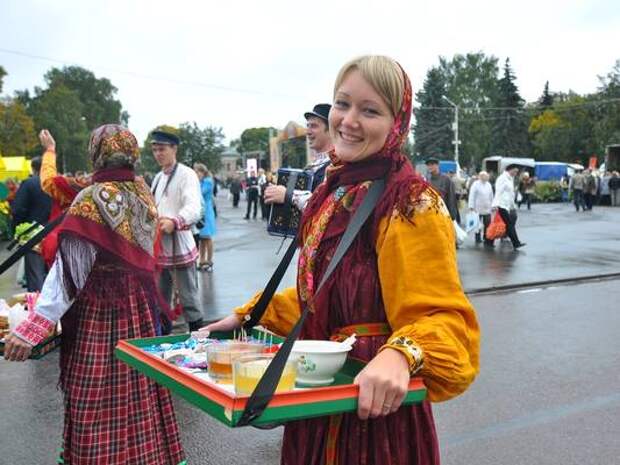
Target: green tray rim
[(230, 416)]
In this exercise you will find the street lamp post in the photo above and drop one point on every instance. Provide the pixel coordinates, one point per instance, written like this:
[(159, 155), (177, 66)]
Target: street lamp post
[(455, 128)]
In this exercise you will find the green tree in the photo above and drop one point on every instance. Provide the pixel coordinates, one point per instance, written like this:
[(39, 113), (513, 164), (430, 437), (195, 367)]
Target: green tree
[(510, 123), (546, 99), (471, 83), (201, 145), (60, 110), (17, 135), (565, 132), (2, 74), (74, 102), (254, 139), (257, 139), (98, 95), (433, 119), (548, 132), (607, 109)]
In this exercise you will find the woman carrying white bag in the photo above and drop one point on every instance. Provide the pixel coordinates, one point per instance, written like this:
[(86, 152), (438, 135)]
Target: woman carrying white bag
[(480, 202)]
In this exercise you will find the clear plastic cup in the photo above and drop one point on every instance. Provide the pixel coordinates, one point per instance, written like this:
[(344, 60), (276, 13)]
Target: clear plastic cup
[(220, 357)]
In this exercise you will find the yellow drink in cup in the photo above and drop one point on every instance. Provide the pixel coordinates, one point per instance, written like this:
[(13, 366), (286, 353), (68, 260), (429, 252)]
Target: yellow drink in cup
[(249, 369)]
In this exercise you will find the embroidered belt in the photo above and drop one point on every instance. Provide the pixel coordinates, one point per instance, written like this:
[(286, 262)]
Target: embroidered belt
[(335, 421), (362, 330)]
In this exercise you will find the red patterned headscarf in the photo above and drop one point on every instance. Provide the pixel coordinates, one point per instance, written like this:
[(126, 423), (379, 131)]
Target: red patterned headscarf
[(402, 186)]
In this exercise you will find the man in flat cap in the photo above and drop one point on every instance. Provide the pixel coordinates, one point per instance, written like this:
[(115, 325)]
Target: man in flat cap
[(317, 132), (444, 185), (176, 190), (504, 202)]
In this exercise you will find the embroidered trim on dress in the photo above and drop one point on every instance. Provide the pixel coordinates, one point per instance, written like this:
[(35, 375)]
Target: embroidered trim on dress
[(178, 260), (35, 329)]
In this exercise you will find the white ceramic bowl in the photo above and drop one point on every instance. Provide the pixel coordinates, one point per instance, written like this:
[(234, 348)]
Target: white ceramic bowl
[(318, 361)]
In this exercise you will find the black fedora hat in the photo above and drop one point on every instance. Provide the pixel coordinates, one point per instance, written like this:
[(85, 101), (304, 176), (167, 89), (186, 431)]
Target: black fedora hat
[(164, 137), (431, 161), (319, 111)]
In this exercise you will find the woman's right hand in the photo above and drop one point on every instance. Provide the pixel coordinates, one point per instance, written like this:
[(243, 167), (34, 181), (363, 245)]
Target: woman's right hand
[(16, 350), (47, 141), (229, 323)]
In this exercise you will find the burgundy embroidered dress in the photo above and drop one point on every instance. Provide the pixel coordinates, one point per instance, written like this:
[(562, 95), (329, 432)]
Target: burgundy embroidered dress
[(104, 279), (398, 279)]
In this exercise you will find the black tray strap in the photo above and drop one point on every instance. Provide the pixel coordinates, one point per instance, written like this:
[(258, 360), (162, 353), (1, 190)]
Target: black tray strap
[(34, 240), (266, 387), (252, 318), (16, 240)]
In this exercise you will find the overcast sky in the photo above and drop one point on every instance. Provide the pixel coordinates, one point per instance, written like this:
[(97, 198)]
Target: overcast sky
[(239, 64)]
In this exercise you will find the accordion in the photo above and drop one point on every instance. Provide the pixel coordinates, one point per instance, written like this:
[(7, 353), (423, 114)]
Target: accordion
[(284, 218)]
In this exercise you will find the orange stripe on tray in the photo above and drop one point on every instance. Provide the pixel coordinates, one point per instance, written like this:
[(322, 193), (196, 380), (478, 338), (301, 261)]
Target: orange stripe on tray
[(319, 394)]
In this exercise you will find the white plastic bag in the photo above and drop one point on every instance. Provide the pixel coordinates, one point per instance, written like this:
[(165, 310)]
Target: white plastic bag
[(459, 233), (17, 314), (472, 222)]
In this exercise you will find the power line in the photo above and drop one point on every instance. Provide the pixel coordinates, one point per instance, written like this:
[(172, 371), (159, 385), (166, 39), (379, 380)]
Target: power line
[(425, 135), (149, 77), (565, 107)]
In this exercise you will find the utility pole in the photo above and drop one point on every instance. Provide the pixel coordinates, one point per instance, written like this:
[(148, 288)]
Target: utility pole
[(269, 147), (455, 128)]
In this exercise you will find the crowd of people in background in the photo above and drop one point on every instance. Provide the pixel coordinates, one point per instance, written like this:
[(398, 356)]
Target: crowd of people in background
[(586, 188), (471, 192)]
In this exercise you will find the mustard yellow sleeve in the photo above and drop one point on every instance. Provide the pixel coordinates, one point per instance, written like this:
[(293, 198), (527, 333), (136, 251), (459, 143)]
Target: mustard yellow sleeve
[(47, 175), (282, 312), (423, 297)]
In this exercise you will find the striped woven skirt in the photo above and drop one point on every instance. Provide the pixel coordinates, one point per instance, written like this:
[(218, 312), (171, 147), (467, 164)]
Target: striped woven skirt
[(113, 414)]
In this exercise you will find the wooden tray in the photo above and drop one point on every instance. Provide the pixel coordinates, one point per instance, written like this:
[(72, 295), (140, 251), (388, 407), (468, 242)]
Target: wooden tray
[(226, 407)]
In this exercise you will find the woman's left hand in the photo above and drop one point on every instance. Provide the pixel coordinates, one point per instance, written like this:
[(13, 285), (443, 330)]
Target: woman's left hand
[(16, 350), (166, 225), (383, 384)]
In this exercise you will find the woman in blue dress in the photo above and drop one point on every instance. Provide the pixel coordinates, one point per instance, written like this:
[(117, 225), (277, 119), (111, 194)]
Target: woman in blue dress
[(206, 233)]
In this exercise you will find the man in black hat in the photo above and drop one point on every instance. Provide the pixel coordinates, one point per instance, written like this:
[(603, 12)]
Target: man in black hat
[(317, 132), (444, 185), (176, 190), (504, 202)]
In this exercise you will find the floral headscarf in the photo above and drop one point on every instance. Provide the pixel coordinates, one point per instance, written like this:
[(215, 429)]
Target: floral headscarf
[(112, 142)]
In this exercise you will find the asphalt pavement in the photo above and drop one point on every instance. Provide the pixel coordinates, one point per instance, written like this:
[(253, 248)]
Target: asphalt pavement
[(548, 388)]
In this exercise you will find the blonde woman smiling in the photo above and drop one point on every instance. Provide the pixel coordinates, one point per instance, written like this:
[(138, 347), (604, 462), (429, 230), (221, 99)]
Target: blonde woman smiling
[(398, 284)]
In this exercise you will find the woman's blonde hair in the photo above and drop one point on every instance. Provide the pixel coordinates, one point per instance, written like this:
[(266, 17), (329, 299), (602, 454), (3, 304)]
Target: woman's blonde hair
[(202, 168), (382, 73)]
